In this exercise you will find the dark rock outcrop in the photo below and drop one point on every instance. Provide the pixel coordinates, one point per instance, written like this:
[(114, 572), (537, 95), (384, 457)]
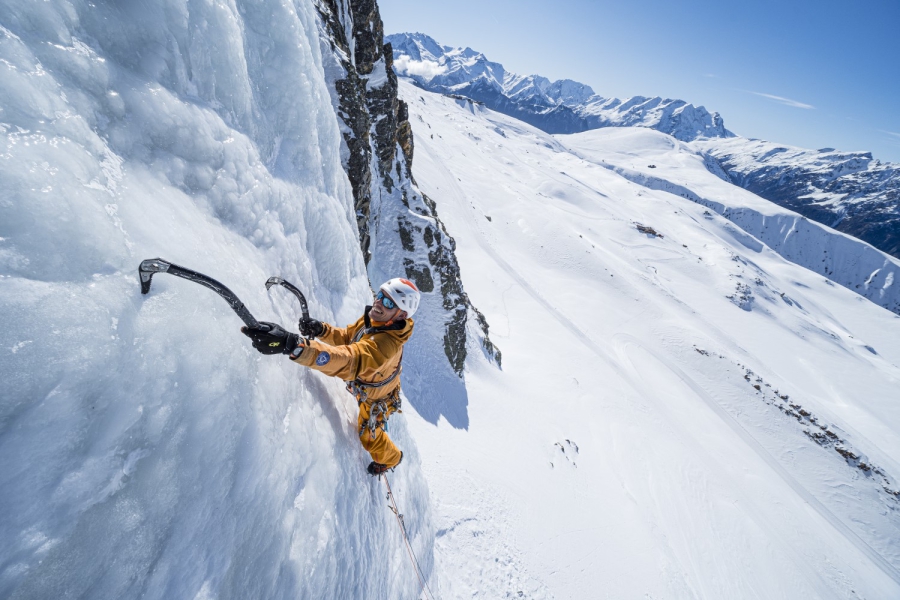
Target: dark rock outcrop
[(399, 228), (350, 97)]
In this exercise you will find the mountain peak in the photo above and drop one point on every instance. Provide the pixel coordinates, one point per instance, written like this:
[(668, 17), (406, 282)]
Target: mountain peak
[(418, 46), (561, 106), (566, 91)]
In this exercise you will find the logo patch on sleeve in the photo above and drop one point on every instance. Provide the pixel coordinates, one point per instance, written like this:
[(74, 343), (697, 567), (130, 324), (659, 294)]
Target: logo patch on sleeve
[(323, 358)]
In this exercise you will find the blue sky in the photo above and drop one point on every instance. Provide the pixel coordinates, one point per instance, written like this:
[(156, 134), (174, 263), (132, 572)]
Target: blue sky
[(807, 73)]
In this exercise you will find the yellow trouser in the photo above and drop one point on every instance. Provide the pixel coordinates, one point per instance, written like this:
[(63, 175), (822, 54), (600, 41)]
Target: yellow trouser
[(377, 443)]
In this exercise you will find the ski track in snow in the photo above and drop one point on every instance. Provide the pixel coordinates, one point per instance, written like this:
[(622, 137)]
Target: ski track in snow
[(754, 445)]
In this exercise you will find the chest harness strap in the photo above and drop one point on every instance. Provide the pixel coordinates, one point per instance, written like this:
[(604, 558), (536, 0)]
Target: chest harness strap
[(359, 387)]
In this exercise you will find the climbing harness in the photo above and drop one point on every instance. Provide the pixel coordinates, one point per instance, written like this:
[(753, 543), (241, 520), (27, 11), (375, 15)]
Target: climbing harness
[(392, 504), (379, 412), (358, 387)]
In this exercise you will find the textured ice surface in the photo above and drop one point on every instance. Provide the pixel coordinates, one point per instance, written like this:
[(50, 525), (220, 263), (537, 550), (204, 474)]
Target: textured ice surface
[(147, 450)]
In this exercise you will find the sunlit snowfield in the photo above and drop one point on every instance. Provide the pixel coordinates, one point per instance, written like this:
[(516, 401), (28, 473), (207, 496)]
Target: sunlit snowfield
[(653, 430)]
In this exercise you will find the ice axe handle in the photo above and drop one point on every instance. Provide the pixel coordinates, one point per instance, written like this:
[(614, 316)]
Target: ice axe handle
[(158, 265), (291, 288)]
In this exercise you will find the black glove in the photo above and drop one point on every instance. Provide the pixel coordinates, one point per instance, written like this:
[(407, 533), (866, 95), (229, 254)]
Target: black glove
[(311, 327), (270, 338)]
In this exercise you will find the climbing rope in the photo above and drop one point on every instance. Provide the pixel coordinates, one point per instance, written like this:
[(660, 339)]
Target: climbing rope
[(412, 555)]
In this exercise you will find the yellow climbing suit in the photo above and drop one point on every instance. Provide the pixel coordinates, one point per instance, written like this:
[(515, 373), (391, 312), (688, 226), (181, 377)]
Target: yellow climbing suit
[(365, 354)]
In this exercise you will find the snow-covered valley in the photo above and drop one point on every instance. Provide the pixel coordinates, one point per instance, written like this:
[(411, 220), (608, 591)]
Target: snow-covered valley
[(691, 403)]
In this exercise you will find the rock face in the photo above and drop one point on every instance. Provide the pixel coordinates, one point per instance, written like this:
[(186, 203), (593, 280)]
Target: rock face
[(848, 191), (563, 106), (399, 228)]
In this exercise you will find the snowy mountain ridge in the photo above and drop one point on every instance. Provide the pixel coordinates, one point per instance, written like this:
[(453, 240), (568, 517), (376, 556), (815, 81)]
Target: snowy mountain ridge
[(837, 256), (848, 191), (562, 106), (851, 192)]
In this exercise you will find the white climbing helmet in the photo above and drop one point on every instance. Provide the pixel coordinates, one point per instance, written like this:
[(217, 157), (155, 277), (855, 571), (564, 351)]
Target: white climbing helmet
[(404, 293)]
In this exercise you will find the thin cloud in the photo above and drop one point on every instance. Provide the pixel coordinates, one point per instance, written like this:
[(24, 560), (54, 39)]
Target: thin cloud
[(893, 133), (786, 101), (427, 69)]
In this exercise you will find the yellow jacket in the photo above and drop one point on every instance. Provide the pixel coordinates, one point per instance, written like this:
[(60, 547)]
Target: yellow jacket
[(371, 359)]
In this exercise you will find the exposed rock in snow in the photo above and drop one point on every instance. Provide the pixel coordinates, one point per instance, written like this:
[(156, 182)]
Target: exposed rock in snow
[(849, 191)]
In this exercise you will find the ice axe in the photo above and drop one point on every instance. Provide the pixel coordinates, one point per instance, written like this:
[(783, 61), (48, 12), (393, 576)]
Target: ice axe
[(291, 288), (158, 265)]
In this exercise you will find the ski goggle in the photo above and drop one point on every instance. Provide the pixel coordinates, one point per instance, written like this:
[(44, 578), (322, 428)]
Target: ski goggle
[(385, 300)]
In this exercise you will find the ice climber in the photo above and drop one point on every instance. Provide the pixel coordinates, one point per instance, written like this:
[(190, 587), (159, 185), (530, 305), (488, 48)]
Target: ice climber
[(366, 355)]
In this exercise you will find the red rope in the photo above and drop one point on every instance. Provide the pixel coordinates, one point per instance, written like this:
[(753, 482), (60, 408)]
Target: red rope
[(409, 550)]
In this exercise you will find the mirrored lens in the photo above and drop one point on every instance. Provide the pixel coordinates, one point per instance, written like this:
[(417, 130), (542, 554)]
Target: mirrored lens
[(385, 301)]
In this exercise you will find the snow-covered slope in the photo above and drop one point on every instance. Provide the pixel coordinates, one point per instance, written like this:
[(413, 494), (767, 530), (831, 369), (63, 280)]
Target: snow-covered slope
[(682, 413), (147, 450), (562, 106), (659, 162), (850, 191)]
